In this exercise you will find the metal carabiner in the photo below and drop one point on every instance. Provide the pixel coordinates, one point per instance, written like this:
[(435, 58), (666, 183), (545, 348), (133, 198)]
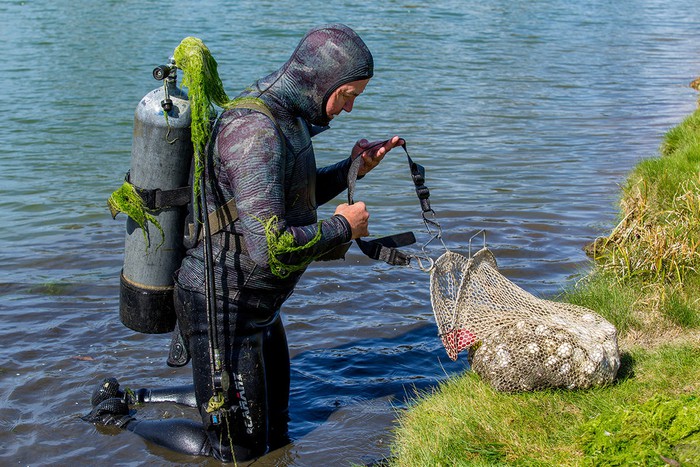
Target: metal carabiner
[(420, 259), (436, 225), (429, 222)]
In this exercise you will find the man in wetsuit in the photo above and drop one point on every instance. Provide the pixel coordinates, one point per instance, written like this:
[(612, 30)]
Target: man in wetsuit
[(263, 159)]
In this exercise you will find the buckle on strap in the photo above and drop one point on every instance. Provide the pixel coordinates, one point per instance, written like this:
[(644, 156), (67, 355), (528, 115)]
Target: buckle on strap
[(386, 248), (418, 177), (154, 199)]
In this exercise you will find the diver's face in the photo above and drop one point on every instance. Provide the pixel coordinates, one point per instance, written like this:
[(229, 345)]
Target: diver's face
[(343, 98)]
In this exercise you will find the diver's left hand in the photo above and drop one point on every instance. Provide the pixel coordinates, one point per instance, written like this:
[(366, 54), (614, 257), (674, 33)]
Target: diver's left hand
[(373, 153)]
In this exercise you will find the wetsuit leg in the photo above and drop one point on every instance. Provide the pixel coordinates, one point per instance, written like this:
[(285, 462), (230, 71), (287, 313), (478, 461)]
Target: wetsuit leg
[(255, 416), (182, 395), (179, 435), (109, 388), (243, 426), (276, 357)]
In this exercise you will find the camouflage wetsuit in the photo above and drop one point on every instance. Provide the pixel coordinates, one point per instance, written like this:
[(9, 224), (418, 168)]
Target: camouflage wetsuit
[(274, 182)]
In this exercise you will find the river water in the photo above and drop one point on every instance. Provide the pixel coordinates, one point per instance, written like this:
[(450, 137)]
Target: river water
[(526, 115)]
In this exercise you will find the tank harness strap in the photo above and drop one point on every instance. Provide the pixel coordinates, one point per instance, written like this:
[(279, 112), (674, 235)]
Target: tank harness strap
[(386, 248), (223, 216), (227, 214), (155, 199)]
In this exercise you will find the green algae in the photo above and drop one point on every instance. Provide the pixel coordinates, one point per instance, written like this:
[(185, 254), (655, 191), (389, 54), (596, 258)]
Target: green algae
[(125, 199), (204, 88), (281, 243), (651, 433)]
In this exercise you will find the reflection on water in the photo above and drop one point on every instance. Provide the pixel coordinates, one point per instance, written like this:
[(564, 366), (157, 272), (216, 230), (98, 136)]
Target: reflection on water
[(526, 115)]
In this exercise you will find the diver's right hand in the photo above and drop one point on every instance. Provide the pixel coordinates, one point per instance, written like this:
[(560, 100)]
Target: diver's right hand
[(357, 216)]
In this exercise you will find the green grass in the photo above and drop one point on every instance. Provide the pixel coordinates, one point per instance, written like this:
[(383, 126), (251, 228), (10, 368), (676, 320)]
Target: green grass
[(611, 299), (636, 307), (466, 422), (658, 237), (680, 311), (645, 281)]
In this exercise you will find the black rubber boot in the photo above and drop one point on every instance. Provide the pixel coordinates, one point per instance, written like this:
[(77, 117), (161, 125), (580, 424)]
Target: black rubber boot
[(109, 388), (110, 412)]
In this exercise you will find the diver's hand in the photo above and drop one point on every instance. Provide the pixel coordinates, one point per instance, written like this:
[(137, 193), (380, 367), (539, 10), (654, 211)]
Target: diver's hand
[(373, 153), (357, 216)]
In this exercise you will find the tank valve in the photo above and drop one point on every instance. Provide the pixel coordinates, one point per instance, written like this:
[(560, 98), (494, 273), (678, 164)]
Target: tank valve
[(161, 72)]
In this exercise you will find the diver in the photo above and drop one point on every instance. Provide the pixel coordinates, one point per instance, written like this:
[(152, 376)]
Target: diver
[(262, 158)]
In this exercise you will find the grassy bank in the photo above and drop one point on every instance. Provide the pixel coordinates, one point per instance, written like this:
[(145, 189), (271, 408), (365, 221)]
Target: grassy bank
[(646, 281)]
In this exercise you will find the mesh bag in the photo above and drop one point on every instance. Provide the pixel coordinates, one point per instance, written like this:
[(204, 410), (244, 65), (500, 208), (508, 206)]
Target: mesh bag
[(518, 342)]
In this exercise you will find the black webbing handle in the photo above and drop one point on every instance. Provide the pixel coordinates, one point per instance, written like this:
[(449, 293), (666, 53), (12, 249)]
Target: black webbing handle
[(418, 176), (386, 248)]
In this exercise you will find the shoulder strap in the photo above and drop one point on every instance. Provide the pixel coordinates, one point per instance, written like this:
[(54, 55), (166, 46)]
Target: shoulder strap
[(256, 104)]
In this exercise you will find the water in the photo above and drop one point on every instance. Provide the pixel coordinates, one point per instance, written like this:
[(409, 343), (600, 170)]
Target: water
[(526, 115)]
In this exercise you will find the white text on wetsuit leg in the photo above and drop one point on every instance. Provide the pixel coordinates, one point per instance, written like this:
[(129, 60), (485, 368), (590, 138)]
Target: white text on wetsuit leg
[(243, 403)]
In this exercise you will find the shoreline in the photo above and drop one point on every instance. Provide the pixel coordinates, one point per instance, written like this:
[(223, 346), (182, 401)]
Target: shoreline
[(465, 421)]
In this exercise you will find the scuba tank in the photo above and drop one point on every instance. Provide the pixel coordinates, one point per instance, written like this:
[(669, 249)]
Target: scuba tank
[(161, 156)]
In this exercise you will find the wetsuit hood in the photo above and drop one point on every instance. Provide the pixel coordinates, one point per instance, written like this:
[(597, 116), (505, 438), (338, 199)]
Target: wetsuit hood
[(326, 58)]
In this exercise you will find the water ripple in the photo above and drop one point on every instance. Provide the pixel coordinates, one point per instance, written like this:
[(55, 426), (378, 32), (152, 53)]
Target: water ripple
[(526, 115)]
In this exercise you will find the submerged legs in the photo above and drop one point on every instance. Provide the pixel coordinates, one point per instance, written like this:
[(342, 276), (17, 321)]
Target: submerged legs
[(254, 418)]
